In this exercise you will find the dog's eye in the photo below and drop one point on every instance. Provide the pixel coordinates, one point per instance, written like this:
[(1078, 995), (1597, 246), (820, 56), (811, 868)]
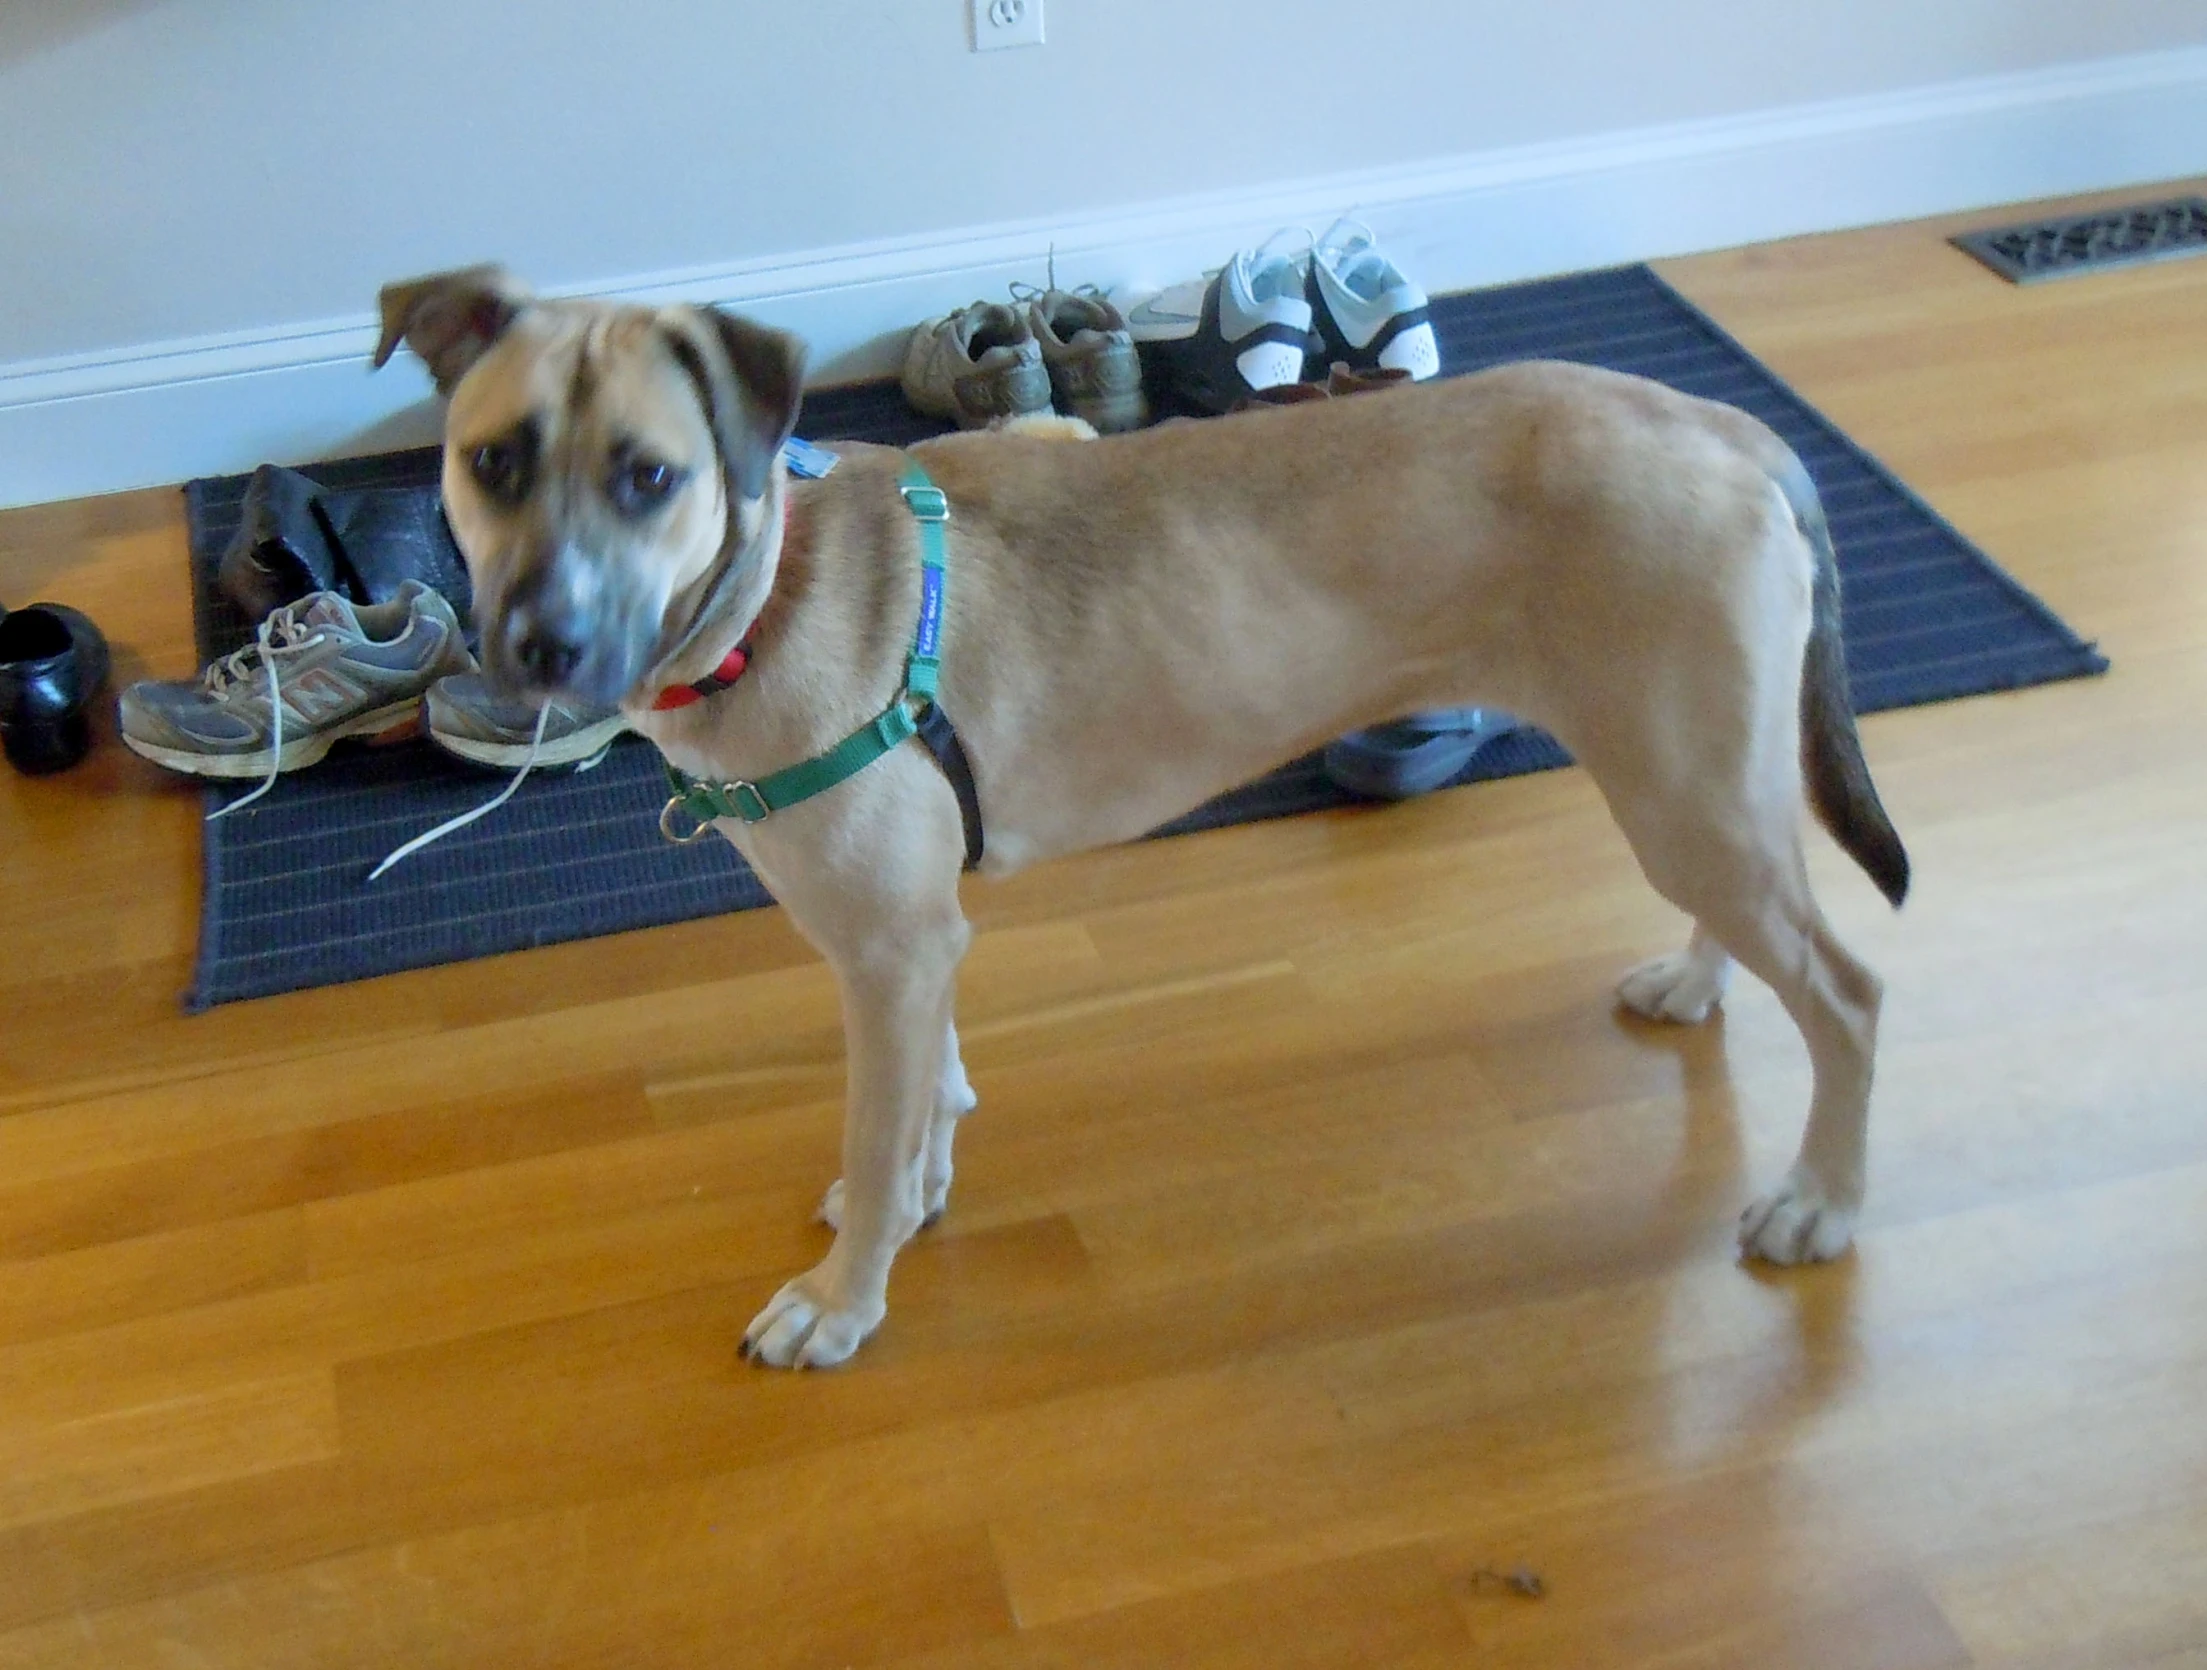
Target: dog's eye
[(501, 469), (639, 486)]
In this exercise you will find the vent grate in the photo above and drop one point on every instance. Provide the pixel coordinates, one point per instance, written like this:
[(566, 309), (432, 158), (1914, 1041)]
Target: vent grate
[(2123, 237)]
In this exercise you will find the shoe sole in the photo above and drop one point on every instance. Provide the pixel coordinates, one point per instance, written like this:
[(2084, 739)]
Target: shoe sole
[(400, 722), (582, 749)]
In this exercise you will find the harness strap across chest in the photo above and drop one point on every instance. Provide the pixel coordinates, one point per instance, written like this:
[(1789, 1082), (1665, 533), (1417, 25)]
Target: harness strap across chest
[(911, 713)]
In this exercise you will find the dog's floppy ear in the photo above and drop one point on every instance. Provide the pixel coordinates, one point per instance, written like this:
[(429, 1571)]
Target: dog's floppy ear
[(449, 319), (751, 379)]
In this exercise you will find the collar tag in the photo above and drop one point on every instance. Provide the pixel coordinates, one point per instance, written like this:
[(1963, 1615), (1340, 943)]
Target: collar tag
[(806, 461)]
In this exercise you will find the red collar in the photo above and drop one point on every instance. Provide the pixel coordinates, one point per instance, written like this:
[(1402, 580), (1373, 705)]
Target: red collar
[(731, 668), (737, 661)]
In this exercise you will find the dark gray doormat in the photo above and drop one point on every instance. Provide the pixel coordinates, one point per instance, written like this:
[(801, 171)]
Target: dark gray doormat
[(287, 905)]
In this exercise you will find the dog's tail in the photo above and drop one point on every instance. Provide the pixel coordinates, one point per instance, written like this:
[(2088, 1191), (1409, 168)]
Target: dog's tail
[(1839, 784)]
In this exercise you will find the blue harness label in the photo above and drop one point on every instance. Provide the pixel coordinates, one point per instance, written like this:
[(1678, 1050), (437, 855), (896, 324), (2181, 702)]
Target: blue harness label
[(931, 611)]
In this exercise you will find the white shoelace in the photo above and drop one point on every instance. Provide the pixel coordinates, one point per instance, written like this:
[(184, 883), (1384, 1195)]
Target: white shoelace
[(1360, 238), (427, 836), (1265, 256), (280, 634)]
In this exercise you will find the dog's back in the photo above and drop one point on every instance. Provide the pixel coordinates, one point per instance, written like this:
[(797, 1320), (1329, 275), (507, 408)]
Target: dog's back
[(1270, 580)]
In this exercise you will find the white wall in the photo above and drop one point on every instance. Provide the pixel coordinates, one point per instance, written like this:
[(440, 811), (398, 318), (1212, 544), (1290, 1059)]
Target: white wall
[(199, 196)]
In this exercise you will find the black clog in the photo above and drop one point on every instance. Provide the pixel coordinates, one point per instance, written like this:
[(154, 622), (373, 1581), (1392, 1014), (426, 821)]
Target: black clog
[(53, 662)]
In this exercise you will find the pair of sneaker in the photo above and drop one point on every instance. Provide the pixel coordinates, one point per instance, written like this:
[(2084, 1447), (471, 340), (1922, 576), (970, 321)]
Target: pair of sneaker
[(1263, 319), (1067, 352), (324, 669)]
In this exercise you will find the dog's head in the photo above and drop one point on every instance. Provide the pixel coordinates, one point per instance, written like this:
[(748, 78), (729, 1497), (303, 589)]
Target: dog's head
[(599, 459)]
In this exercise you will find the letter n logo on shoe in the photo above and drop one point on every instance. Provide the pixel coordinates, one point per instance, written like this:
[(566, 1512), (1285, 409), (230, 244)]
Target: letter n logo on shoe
[(319, 694)]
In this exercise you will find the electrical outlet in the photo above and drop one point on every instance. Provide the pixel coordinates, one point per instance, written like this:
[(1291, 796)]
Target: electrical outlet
[(1002, 23)]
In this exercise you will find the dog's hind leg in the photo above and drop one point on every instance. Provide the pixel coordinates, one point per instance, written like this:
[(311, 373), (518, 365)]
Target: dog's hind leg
[(954, 1099), (1834, 998), (1710, 758), (1734, 862)]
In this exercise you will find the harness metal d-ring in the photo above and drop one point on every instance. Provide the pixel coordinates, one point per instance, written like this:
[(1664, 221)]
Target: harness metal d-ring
[(702, 828)]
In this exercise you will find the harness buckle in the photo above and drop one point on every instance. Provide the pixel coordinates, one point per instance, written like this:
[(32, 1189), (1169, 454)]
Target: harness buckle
[(741, 799), (746, 801), (927, 504)]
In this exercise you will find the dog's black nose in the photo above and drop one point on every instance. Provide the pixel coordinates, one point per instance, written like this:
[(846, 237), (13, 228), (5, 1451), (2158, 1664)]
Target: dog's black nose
[(546, 653)]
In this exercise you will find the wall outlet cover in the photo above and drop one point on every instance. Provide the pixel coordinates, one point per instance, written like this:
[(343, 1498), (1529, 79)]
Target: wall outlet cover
[(1001, 23)]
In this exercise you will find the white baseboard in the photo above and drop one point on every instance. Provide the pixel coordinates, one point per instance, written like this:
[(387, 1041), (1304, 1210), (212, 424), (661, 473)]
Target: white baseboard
[(165, 411)]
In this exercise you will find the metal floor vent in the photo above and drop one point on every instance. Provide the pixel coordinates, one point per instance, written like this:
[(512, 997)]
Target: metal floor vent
[(2123, 237)]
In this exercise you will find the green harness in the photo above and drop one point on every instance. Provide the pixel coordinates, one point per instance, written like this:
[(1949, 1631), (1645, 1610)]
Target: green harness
[(912, 708)]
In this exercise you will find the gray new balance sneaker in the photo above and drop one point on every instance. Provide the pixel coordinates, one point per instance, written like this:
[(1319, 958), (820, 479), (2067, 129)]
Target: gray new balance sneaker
[(1094, 372), (467, 720), (319, 670), (979, 365)]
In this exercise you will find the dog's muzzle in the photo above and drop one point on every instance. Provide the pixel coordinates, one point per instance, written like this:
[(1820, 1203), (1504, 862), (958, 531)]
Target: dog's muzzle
[(562, 631)]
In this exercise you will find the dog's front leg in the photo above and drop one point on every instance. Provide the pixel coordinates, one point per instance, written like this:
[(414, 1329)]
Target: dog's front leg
[(896, 1019), (954, 1099)]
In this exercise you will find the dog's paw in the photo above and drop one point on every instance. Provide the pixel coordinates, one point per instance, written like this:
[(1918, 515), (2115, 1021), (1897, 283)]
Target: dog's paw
[(800, 1329), (1797, 1223), (1680, 987)]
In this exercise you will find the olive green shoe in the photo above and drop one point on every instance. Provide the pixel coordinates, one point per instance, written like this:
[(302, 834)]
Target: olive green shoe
[(1095, 373), (977, 366)]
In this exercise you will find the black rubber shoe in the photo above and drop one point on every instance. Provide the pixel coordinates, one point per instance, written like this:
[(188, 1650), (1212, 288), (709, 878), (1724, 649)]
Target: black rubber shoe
[(1414, 755), (53, 662)]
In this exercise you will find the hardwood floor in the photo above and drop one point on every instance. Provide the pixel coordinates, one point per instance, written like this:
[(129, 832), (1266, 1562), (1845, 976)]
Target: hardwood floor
[(1324, 1245)]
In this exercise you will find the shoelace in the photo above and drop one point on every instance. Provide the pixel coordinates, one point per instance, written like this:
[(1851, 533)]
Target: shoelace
[(427, 836), (280, 634), (1025, 295), (1262, 256), (1360, 238), (283, 632), (1023, 292)]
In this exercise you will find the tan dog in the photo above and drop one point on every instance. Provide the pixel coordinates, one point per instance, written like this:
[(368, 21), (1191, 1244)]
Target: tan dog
[(1139, 623)]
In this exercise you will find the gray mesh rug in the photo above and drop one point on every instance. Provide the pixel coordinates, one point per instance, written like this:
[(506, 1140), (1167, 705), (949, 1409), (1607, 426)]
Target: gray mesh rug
[(1928, 617)]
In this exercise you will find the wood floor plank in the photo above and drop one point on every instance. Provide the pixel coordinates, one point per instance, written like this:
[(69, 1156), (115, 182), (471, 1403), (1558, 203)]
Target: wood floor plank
[(69, 1467)]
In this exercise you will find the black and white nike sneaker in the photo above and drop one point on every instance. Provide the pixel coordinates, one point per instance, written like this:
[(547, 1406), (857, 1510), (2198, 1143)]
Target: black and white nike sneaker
[(1367, 313), (1215, 342)]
